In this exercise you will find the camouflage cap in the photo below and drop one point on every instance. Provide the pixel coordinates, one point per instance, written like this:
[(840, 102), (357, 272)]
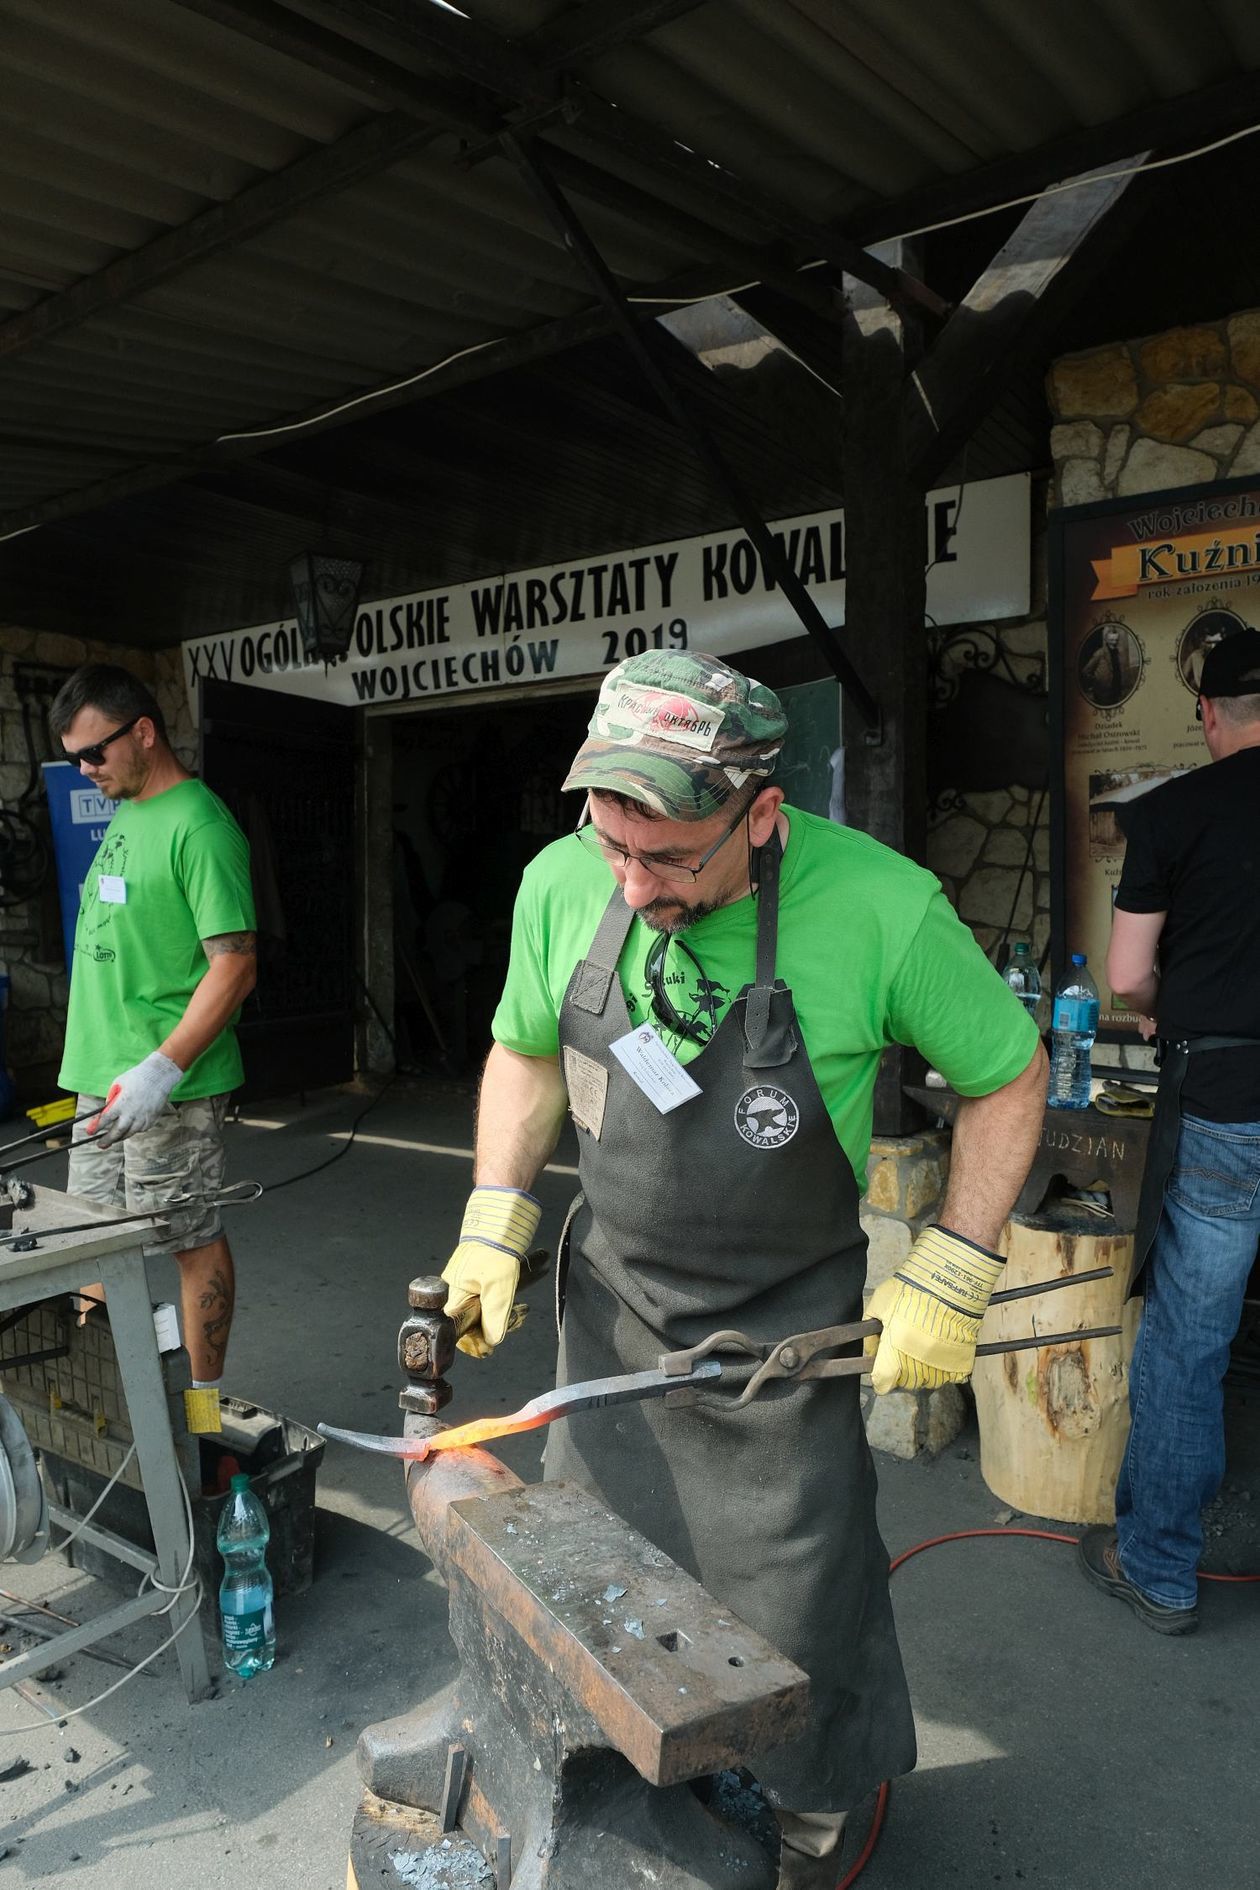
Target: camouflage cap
[(680, 732)]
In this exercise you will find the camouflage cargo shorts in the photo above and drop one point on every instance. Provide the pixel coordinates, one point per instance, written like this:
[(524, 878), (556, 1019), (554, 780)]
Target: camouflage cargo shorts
[(181, 1154)]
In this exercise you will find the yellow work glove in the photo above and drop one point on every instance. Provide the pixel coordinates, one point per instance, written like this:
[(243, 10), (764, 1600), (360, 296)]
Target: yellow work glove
[(499, 1224), (931, 1311)]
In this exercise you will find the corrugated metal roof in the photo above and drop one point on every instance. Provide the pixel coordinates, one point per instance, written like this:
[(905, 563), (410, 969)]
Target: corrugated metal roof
[(693, 138)]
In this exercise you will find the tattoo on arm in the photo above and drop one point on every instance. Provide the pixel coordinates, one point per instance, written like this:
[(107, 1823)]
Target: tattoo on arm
[(245, 944)]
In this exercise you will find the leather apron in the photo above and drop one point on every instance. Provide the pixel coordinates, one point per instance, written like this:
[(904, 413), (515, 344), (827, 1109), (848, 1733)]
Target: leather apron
[(1161, 1146), (738, 1208)]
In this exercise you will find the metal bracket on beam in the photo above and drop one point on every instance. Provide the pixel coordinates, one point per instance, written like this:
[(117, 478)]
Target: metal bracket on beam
[(564, 112), (643, 344)]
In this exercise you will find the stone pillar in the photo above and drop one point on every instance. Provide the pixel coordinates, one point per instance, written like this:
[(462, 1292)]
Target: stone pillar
[(906, 1179)]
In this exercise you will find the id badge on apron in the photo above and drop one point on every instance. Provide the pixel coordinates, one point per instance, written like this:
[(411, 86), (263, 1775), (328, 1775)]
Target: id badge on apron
[(654, 1069)]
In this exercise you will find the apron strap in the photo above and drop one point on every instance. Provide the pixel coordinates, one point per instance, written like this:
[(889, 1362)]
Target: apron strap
[(767, 1045), (593, 978)]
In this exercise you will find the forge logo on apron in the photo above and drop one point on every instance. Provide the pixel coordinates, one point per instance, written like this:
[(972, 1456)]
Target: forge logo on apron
[(766, 1117)]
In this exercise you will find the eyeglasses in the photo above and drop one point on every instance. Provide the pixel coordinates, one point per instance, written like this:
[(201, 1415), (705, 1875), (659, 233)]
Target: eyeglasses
[(94, 753), (672, 872), (663, 1010)]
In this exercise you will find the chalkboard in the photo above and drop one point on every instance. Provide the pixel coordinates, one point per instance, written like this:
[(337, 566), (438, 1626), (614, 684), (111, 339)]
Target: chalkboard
[(804, 770)]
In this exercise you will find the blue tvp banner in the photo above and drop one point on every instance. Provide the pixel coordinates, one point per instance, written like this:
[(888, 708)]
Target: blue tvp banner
[(79, 814)]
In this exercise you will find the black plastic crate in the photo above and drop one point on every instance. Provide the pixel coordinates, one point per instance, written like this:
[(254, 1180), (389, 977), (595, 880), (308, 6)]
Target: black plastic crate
[(281, 1459)]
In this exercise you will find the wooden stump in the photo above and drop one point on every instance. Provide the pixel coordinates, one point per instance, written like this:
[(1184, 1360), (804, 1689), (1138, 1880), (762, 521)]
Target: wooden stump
[(1053, 1422)]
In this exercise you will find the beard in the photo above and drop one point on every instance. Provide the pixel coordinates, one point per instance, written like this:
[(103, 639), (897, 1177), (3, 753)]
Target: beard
[(672, 916)]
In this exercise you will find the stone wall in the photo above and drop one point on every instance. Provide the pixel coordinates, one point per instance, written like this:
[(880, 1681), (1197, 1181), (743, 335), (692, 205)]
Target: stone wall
[(30, 933), (1176, 409), (905, 1184), (991, 853)]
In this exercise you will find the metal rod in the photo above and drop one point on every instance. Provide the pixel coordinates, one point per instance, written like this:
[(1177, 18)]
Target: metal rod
[(1049, 1286), (642, 344), (1036, 1340), (25, 1606), (10, 1362), (26, 1694), (49, 1128)]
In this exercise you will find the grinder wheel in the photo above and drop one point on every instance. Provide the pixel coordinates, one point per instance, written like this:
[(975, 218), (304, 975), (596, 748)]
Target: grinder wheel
[(23, 1506)]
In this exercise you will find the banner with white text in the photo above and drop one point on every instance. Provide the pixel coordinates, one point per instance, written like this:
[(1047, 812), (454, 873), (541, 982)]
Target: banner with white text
[(579, 619)]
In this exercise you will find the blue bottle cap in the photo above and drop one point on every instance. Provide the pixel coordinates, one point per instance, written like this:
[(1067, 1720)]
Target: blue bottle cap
[(1079, 958)]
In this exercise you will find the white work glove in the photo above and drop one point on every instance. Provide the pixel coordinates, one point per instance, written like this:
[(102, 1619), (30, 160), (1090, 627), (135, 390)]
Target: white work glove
[(136, 1099), (499, 1224), (931, 1311)]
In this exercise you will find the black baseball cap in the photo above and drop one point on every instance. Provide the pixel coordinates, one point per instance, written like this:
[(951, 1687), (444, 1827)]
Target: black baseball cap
[(1232, 666)]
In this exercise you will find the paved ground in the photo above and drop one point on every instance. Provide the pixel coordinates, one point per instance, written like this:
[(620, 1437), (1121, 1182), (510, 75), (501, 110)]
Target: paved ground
[(1062, 1744)]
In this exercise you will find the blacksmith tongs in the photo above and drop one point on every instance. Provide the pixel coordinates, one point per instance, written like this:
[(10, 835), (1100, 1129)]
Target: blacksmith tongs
[(799, 1358), (804, 1355)]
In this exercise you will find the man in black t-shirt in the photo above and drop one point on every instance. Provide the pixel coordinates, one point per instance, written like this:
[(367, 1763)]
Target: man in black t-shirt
[(1185, 954)]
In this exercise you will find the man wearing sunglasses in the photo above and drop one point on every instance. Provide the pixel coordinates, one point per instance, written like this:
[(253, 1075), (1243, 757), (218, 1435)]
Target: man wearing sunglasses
[(705, 978), (164, 956)]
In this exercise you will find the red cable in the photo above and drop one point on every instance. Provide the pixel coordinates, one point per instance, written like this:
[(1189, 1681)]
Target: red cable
[(932, 1542), (872, 1838), (961, 1535)]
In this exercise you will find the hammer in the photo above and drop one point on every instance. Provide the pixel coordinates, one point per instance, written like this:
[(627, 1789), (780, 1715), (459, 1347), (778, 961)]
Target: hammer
[(426, 1340)]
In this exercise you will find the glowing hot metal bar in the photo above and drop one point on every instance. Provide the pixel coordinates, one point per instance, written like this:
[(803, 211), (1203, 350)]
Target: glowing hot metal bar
[(593, 1395)]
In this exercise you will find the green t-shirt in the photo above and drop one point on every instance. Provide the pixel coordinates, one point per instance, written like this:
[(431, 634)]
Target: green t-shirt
[(871, 948), (176, 870)]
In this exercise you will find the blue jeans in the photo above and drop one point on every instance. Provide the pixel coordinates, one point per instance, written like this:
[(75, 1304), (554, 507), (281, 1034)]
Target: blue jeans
[(1195, 1280)]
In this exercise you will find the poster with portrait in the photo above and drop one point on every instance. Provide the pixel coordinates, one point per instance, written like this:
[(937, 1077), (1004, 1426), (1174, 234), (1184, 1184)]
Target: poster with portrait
[(1140, 590)]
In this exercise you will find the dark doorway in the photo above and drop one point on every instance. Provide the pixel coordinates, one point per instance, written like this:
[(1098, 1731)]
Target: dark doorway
[(285, 767), (476, 796)]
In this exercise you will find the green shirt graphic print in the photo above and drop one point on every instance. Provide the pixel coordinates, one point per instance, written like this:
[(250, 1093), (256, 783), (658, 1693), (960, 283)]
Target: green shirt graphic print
[(175, 871), (872, 950)]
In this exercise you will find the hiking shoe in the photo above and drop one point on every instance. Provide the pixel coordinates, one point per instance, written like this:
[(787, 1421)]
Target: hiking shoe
[(1099, 1558)]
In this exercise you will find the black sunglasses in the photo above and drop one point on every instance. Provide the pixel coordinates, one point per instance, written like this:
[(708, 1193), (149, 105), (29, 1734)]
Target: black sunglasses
[(94, 753), (663, 1009)]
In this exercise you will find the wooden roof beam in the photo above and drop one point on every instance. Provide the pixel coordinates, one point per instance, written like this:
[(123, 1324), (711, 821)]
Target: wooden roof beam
[(366, 149), (586, 31), (395, 85), (506, 70), (1166, 126), (1041, 268), (531, 345)]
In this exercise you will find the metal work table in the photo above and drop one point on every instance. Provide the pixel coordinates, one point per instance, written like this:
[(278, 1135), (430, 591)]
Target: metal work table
[(61, 1263)]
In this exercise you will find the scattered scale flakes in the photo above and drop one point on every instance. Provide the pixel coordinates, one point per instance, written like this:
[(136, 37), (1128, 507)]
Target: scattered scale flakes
[(443, 1868)]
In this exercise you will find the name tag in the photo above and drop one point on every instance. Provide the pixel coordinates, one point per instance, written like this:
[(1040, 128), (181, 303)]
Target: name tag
[(112, 889), (653, 1069), (587, 1084)]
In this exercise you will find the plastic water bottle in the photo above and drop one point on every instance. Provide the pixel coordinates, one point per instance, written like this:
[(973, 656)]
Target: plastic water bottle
[(1074, 1023), (249, 1628), (1024, 978)]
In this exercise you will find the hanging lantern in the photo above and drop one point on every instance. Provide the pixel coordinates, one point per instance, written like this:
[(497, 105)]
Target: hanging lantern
[(325, 598)]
